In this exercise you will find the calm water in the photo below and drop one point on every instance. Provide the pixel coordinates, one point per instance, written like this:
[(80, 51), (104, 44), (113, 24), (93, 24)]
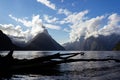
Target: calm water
[(107, 70)]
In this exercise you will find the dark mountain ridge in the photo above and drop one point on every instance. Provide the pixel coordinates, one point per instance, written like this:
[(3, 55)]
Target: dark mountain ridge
[(117, 46), (99, 43), (42, 41), (6, 43)]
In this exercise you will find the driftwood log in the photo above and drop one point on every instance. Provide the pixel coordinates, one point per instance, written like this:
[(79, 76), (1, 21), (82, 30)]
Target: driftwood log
[(43, 64)]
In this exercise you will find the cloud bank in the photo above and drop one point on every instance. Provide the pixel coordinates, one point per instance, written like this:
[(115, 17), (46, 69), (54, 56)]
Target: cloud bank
[(35, 24), (83, 26), (32, 27), (79, 25)]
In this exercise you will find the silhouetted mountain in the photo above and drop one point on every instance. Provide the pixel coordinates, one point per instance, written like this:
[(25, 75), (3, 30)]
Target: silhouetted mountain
[(43, 41), (94, 43), (6, 43)]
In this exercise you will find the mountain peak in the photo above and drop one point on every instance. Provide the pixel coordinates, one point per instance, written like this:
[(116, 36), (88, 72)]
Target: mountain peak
[(45, 31), (43, 41)]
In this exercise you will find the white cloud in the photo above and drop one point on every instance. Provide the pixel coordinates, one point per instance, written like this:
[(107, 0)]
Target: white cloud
[(14, 32), (18, 35), (50, 19), (64, 11), (35, 27), (75, 17), (14, 18), (80, 25), (113, 25), (35, 24), (93, 27), (9, 28), (47, 3), (52, 26), (23, 21), (85, 28)]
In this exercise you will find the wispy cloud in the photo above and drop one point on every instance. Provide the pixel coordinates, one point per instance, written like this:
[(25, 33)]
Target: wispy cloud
[(37, 23), (47, 3), (50, 19), (23, 21), (51, 26), (64, 11)]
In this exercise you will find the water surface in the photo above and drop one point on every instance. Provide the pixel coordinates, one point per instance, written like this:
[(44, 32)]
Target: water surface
[(109, 70)]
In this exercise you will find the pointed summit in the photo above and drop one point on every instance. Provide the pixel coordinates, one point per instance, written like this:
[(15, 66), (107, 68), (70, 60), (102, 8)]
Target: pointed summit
[(43, 41)]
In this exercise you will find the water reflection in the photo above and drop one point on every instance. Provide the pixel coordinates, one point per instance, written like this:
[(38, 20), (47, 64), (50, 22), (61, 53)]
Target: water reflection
[(31, 54), (75, 70)]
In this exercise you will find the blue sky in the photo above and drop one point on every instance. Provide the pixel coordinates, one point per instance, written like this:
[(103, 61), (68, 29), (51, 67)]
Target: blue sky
[(55, 13)]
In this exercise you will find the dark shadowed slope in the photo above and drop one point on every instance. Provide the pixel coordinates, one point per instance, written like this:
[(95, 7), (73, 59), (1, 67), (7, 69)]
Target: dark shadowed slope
[(99, 43), (117, 46), (43, 41), (6, 43)]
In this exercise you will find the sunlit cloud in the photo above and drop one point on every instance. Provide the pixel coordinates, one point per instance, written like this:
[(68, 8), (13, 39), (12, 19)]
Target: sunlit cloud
[(47, 3), (37, 23), (51, 26), (15, 33), (93, 26), (113, 25), (75, 17), (33, 27)]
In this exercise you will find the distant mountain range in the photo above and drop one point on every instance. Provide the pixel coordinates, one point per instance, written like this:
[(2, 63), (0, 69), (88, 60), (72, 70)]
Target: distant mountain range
[(94, 43), (42, 41)]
